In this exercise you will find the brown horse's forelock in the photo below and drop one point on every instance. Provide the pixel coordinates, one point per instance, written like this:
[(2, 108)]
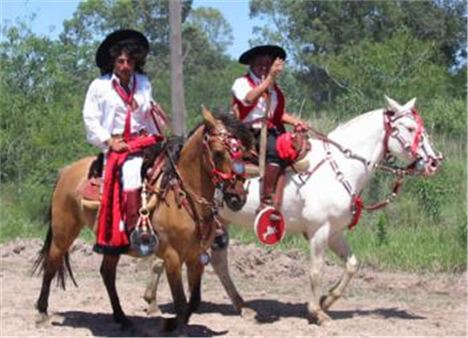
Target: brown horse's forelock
[(237, 128), (234, 126)]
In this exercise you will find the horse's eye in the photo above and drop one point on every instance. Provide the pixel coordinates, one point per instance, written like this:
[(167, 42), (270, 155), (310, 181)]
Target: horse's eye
[(411, 129)]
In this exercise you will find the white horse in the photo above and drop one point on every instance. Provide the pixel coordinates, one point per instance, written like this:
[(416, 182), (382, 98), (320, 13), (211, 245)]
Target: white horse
[(320, 205)]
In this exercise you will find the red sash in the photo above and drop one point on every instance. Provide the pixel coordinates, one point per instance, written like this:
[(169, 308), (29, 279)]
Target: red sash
[(110, 238), (276, 119)]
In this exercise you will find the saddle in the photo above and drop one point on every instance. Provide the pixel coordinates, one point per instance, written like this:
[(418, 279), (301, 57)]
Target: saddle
[(90, 189), (292, 148)]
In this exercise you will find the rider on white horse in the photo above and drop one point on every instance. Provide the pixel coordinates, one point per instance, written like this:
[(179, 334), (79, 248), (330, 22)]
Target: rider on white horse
[(259, 102)]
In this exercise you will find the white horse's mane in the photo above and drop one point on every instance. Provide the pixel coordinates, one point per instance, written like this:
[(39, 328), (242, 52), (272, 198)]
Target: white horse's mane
[(350, 123)]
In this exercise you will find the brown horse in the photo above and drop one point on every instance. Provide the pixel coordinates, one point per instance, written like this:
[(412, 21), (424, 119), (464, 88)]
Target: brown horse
[(184, 217)]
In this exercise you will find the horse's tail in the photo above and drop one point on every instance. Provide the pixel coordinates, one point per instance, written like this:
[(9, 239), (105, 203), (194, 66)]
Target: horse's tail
[(40, 263)]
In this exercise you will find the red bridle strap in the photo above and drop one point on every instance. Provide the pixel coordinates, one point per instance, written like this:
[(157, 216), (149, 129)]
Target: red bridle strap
[(389, 130)]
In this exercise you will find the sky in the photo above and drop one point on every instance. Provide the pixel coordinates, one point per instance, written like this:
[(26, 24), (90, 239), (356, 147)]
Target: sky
[(51, 13)]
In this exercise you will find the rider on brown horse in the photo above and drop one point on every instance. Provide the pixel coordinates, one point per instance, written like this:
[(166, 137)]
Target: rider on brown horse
[(119, 119), (258, 101)]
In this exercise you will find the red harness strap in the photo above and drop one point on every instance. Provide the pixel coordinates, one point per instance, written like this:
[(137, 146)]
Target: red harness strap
[(356, 209), (276, 119)]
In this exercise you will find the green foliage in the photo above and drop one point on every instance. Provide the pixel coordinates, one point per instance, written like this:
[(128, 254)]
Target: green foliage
[(96, 18), (14, 221), (427, 39), (214, 25), (41, 108), (445, 115), (381, 231)]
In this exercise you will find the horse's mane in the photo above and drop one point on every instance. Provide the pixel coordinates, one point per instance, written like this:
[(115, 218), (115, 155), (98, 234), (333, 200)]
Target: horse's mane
[(234, 126), (352, 121), (173, 145), (237, 128)]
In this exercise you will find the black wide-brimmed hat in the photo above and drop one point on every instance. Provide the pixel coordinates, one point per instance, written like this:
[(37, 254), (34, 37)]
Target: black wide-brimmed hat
[(102, 54), (271, 50)]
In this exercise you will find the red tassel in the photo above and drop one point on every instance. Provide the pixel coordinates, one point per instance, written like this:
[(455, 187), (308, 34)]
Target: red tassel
[(356, 207)]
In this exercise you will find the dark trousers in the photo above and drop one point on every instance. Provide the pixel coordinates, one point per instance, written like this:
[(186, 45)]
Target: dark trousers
[(271, 152)]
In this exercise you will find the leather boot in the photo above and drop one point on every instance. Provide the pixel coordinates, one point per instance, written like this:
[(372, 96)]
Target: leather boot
[(132, 207), (272, 172)]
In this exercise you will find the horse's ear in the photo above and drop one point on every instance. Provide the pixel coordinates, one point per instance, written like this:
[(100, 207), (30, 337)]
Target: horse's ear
[(392, 105), (208, 118), (410, 104)]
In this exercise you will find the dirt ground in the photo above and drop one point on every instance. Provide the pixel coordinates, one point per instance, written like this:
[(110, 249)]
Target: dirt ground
[(274, 284)]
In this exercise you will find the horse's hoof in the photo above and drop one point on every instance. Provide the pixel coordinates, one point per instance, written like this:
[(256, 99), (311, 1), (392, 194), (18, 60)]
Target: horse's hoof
[(41, 319), (248, 313), (320, 318), (153, 309)]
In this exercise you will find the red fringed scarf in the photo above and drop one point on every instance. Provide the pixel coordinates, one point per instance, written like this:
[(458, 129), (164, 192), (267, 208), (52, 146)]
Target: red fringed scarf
[(111, 237)]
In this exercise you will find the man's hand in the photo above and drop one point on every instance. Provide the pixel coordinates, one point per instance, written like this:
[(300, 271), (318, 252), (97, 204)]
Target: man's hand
[(276, 68), (117, 145), (301, 126)]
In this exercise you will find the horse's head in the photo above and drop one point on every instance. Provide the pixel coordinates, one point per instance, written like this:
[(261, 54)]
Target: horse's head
[(407, 139), (225, 140)]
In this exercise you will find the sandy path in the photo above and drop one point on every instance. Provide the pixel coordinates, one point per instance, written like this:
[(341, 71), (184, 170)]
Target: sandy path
[(273, 283)]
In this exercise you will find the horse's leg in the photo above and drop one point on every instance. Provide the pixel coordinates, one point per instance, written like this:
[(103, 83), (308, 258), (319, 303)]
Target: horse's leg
[(173, 266), (340, 247), (54, 257), (194, 276), (108, 273), (53, 260), (219, 261), (318, 244), (150, 296)]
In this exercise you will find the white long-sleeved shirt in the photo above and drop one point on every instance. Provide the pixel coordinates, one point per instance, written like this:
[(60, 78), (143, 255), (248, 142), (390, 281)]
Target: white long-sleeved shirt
[(242, 87), (104, 110)]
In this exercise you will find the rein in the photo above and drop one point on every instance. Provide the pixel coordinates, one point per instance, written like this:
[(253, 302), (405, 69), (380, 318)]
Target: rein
[(234, 148)]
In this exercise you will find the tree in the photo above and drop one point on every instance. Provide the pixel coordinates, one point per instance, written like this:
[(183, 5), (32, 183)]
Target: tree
[(214, 25), (177, 78), (315, 30)]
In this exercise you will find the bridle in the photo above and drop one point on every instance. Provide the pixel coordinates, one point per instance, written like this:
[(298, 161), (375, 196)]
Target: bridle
[(233, 146), (413, 146)]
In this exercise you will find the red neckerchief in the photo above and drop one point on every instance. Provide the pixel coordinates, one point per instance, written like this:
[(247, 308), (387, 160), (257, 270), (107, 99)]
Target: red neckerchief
[(127, 99)]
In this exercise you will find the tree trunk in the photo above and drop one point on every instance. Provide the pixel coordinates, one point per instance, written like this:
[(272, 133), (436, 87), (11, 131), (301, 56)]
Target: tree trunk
[(177, 78)]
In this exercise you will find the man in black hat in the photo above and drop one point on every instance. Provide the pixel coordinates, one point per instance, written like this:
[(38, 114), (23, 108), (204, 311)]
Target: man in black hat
[(118, 118), (258, 100)]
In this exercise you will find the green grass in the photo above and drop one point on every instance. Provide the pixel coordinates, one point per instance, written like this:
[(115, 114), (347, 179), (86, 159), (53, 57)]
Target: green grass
[(24, 215), (14, 222), (421, 249)]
